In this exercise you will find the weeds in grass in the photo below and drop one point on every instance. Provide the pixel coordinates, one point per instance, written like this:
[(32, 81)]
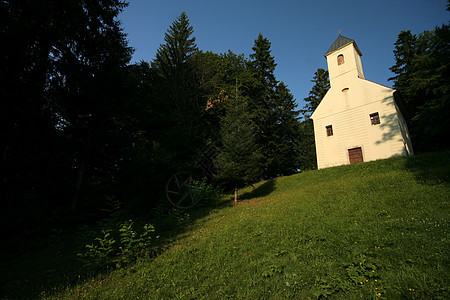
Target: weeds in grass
[(272, 270), (361, 270)]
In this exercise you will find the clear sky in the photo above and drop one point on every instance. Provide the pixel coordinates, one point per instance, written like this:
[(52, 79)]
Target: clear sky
[(301, 31)]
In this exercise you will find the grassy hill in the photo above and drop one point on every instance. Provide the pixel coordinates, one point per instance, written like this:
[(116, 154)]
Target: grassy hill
[(376, 230)]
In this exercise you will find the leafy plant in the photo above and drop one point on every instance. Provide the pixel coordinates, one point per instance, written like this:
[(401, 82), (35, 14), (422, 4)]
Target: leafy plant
[(208, 193), (132, 244), (329, 284), (272, 270), (322, 288), (99, 253), (361, 270), (117, 247)]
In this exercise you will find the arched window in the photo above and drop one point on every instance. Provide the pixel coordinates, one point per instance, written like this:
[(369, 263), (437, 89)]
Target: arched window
[(340, 59)]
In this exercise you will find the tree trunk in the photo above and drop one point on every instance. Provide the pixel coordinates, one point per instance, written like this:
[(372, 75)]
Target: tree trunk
[(235, 195)]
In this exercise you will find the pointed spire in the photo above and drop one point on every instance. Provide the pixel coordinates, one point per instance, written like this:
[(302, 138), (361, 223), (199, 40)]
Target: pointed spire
[(340, 42)]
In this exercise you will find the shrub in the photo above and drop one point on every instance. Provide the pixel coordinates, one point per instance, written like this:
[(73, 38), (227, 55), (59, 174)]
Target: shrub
[(118, 246), (208, 193)]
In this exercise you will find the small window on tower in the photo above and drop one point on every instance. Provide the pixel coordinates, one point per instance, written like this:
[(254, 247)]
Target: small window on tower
[(375, 118), (340, 59), (329, 130)]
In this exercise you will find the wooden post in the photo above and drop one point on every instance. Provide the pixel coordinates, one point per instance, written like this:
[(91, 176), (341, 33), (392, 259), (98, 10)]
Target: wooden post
[(235, 196)]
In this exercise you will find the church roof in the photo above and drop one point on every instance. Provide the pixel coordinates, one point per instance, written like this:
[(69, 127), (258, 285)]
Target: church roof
[(340, 42)]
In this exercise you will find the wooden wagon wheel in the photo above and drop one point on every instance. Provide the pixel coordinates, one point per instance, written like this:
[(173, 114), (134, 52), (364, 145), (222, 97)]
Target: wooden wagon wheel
[(180, 191)]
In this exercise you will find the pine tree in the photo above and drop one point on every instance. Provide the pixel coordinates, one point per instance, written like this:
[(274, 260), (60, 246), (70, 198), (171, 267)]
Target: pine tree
[(404, 52), (173, 57), (238, 159), (306, 148), (285, 133), (422, 70), (321, 86), (262, 94), (180, 96), (263, 65), (262, 91), (63, 77)]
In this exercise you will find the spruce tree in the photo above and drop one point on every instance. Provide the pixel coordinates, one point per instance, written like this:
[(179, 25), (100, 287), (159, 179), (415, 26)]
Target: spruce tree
[(173, 57), (422, 70), (238, 161), (63, 75), (263, 65), (275, 113), (320, 88), (305, 145), (404, 53), (285, 133), (179, 92), (262, 93)]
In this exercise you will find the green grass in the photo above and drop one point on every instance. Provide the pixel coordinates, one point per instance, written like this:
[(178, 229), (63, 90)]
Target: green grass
[(376, 230)]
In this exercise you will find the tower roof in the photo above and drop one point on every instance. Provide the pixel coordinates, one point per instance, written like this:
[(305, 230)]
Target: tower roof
[(340, 42)]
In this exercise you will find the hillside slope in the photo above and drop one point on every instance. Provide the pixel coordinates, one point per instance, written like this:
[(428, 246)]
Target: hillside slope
[(376, 230)]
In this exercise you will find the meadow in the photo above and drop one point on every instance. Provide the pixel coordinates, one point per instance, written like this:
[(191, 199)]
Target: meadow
[(376, 230)]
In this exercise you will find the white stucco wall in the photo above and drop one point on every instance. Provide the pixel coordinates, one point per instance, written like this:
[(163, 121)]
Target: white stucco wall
[(348, 112)]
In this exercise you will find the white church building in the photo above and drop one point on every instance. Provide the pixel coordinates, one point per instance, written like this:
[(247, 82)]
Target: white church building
[(357, 120)]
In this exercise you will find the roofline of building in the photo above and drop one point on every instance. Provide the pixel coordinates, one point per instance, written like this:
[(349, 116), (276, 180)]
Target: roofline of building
[(352, 42), (377, 83)]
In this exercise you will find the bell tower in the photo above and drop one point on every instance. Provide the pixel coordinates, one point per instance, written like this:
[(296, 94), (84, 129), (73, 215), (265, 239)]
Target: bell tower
[(344, 62), (357, 120)]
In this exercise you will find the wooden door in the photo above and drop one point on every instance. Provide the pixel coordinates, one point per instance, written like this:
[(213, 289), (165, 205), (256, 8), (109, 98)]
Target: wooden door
[(355, 155)]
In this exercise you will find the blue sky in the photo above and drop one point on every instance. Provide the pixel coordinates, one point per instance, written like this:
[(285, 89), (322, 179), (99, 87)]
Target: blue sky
[(300, 31)]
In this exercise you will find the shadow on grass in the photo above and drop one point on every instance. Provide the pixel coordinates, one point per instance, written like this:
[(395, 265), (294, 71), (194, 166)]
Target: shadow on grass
[(430, 168), (41, 265), (261, 191), (36, 263)]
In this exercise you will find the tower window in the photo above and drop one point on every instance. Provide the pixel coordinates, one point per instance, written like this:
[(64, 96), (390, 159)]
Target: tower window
[(340, 59), (329, 129), (375, 118)]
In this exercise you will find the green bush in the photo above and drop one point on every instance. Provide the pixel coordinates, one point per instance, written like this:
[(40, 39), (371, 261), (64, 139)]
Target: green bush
[(208, 193), (118, 246)]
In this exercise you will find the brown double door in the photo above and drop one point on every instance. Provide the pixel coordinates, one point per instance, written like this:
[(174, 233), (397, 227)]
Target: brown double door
[(355, 155)]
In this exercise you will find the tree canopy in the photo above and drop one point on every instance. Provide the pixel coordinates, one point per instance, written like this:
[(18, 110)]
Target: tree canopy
[(63, 87), (238, 158), (421, 71), (306, 142), (320, 88)]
